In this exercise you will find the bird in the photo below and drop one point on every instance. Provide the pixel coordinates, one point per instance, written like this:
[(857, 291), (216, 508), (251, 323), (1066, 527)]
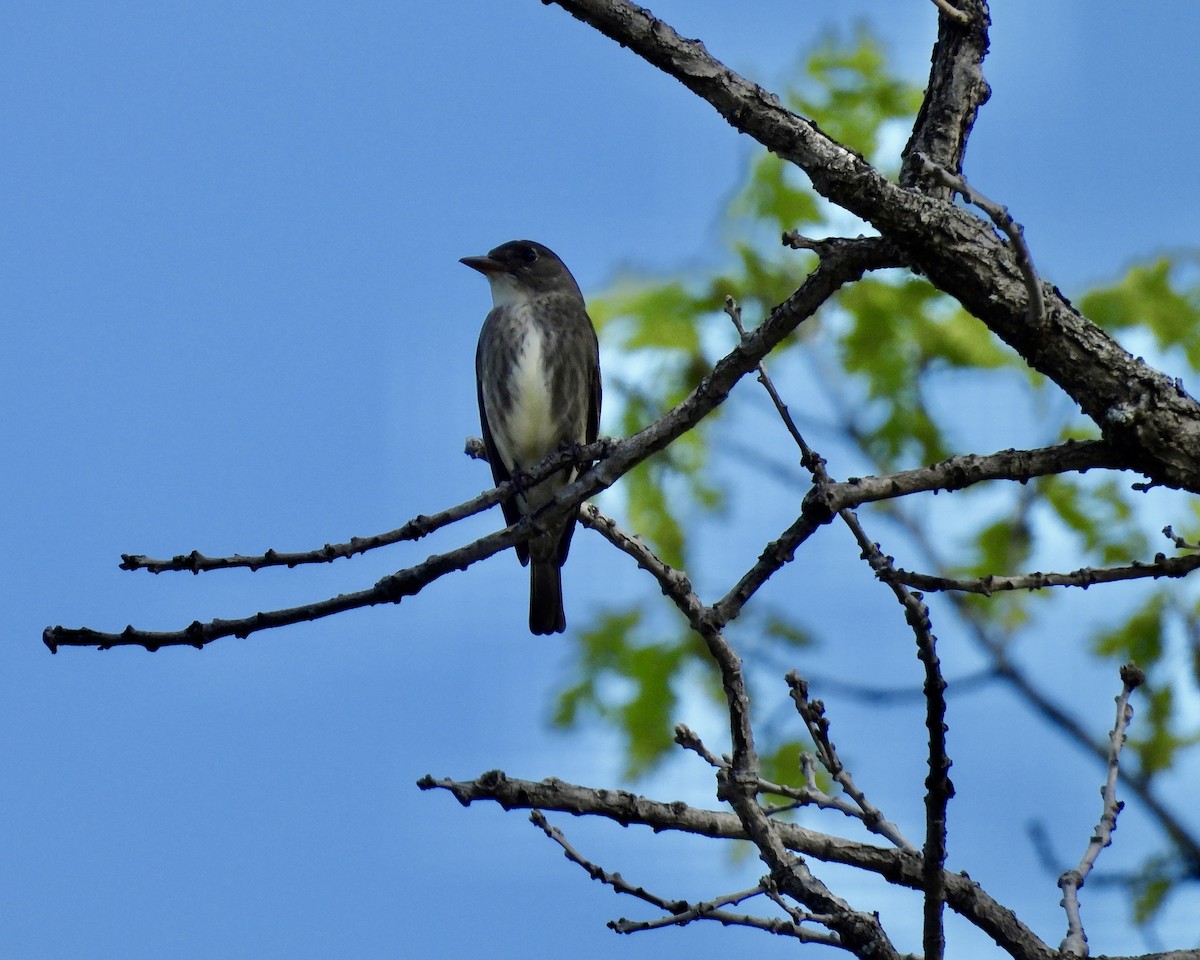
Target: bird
[(537, 374)]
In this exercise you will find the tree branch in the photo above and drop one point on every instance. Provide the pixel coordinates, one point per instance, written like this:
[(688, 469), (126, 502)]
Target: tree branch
[(955, 91), (390, 589), (1001, 218), (845, 262), (680, 912), (1070, 882), (958, 473), (810, 794), (416, 528), (938, 787), (812, 712), (1084, 577), (963, 895), (1147, 414)]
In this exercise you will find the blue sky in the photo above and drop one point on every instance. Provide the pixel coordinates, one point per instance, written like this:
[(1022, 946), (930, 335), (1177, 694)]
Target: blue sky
[(235, 320)]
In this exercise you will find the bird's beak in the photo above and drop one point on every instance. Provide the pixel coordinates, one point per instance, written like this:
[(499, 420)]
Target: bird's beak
[(485, 265)]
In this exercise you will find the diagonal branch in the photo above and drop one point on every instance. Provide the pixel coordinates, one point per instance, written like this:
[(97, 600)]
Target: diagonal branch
[(810, 794), (680, 912), (416, 528), (1151, 418), (812, 712), (939, 789), (1001, 218)]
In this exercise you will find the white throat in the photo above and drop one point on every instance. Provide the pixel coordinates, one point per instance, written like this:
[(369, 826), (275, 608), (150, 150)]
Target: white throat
[(505, 292)]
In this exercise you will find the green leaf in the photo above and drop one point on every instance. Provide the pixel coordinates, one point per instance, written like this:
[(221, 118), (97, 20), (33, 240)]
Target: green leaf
[(1146, 298), (1151, 886), (782, 765), (1139, 638), (851, 94)]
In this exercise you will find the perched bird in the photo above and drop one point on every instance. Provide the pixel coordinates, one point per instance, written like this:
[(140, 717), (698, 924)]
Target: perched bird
[(537, 372)]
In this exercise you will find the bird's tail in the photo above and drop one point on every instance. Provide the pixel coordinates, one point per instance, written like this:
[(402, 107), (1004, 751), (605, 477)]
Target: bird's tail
[(545, 598)]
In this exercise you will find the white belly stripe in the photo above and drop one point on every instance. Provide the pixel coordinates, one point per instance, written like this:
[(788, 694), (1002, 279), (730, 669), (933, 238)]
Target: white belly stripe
[(530, 424)]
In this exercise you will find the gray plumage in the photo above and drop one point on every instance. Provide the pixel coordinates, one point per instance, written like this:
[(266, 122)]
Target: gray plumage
[(537, 372)]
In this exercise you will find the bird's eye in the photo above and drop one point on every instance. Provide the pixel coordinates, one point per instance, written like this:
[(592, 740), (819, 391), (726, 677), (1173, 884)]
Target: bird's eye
[(529, 254)]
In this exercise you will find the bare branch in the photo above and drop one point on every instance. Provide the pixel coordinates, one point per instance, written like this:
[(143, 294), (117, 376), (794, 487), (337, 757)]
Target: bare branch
[(963, 895), (707, 911), (1180, 542), (958, 473), (955, 91), (416, 528), (889, 256), (1003, 219), (614, 880), (860, 933), (680, 912), (939, 789), (390, 589), (687, 738), (1075, 943), (813, 714), (1084, 577), (674, 583), (810, 795)]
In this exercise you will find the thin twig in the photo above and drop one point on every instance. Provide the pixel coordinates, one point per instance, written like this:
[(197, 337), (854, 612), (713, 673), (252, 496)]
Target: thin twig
[(678, 912), (960, 472), (416, 528), (1075, 943), (813, 712), (390, 589), (674, 583), (810, 795), (1084, 577), (938, 787), (1003, 219), (1169, 532)]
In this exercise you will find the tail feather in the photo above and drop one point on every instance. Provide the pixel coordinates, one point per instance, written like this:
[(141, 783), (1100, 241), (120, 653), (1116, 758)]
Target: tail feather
[(545, 598)]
